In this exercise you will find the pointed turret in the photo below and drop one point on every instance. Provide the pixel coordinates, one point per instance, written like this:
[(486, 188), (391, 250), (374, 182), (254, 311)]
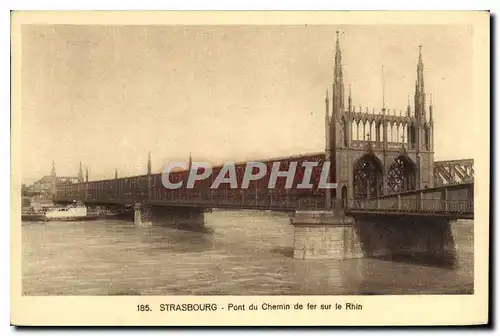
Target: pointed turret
[(149, 163), (86, 174), (327, 122), (383, 89), (327, 107), (431, 108), (408, 108), (419, 88), (349, 100), (338, 82)]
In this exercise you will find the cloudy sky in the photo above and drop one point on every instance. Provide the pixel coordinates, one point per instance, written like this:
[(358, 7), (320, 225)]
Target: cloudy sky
[(105, 95)]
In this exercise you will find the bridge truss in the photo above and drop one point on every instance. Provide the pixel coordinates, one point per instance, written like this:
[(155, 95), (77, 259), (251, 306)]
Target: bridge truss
[(453, 172)]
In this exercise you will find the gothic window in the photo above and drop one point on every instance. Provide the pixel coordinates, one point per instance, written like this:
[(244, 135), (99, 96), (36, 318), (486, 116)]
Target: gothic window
[(402, 175), (367, 177), (389, 132), (402, 132), (373, 131), (354, 130), (412, 136)]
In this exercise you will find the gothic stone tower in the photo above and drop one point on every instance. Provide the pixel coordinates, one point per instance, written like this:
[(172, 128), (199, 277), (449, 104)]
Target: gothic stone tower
[(379, 152)]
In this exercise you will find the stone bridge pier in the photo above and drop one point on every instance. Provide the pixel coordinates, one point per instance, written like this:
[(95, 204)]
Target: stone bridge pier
[(333, 235), (171, 216)]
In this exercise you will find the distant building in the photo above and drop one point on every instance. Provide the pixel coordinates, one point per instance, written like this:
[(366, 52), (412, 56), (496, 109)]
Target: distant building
[(46, 186)]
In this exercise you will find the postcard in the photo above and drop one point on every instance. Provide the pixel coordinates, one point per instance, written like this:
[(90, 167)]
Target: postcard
[(250, 168)]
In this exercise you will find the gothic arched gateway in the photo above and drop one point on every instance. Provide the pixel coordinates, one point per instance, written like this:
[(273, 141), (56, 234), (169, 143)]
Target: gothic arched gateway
[(367, 177), (402, 175)]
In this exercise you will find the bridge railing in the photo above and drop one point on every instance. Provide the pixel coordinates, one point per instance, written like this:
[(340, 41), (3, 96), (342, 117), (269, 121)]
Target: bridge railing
[(288, 202), (425, 205), (208, 200)]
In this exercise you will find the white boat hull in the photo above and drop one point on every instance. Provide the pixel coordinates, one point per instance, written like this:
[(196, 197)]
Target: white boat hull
[(70, 213)]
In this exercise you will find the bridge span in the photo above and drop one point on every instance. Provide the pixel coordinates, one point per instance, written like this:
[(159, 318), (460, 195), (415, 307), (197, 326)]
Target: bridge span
[(452, 200)]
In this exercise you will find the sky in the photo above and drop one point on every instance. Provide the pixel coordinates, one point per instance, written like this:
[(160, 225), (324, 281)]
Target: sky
[(106, 95)]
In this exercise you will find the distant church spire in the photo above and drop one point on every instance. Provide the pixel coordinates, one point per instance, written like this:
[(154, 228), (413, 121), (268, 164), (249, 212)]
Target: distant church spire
[(338, 82), (53, 169), (86, 174), (80, 173), (149, 162)]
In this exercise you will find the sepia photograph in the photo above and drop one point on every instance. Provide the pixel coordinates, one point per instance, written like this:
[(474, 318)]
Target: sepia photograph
[(295, 159)]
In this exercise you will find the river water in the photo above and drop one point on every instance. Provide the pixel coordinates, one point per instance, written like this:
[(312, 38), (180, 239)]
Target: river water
[(240, 253)]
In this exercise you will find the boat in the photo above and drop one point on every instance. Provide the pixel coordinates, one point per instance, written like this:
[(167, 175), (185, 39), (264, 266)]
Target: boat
[(29, 215), (73, 212)]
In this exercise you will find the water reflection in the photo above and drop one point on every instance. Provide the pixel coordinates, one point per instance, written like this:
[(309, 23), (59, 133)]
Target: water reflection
[(240, 253)]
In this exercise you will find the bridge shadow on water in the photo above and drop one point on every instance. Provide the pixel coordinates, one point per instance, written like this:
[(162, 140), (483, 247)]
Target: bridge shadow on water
[(285, 251), (191, 228), (422, 259)]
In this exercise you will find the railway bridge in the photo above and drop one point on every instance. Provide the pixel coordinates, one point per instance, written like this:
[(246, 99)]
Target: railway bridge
[(391, 196)]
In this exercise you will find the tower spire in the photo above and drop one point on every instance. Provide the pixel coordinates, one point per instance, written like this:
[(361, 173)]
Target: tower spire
[(86, 174), (431, 108), (383, 88), (408, 108), (149, 162), (349, 100), (80, 173), (327, 106), (53, 169), (338, 81), (419, 87), (327, 122), (420, 55)]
